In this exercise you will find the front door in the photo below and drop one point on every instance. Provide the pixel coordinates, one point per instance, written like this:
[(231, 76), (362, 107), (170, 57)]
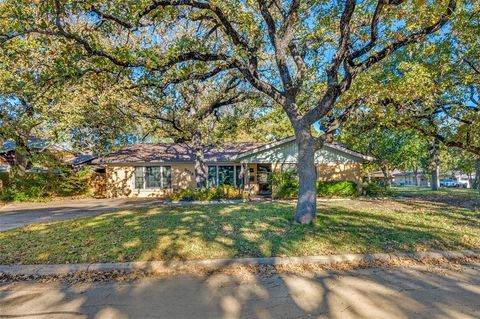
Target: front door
[(264, 174)]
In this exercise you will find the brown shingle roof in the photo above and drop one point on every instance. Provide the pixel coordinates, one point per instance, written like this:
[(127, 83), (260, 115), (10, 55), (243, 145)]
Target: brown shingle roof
[(170, 152)]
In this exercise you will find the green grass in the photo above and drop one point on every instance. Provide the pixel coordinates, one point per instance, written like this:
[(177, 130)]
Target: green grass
[(451, 196), (254, 230), (442, 192)]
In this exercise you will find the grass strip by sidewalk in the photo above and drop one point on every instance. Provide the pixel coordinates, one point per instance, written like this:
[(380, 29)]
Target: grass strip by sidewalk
[(246, 230)]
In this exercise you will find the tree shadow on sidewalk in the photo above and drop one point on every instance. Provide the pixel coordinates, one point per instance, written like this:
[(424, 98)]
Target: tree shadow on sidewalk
[(364, 293)]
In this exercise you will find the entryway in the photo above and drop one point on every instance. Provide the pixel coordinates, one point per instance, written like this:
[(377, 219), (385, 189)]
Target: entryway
[(264, 174)]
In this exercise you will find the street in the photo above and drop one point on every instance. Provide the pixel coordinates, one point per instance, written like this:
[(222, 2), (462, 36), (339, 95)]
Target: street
[(416, 292)]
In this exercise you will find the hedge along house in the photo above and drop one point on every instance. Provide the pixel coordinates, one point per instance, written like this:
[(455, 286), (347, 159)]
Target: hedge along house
[(156, 170)]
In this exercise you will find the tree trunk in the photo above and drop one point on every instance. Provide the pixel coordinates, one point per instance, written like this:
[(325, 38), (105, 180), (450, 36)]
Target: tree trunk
[(417, 181), (435, 163), (21, 157), (307, 176), (386, 177), (201, 169), (435, 178), (477, 175)]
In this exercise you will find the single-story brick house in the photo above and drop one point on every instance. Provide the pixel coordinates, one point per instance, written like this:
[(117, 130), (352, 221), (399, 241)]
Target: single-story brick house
[(155, 170)]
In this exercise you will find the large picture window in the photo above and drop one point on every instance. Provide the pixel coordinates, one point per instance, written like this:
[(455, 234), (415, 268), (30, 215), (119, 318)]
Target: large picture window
[(219, 175), (153, 177)]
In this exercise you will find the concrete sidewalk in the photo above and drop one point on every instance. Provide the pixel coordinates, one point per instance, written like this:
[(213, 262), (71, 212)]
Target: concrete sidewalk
[(416, 292)]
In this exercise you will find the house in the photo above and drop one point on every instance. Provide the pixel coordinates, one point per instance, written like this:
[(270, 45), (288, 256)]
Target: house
[(155, 170), (8, 154), (411, 179)]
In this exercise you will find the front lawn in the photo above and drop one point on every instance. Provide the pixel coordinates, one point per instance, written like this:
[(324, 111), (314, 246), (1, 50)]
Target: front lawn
[(254, 230), (451, 196)]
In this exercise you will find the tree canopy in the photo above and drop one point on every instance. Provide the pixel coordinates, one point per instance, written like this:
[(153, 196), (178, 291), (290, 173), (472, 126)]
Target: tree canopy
[(320, 61)]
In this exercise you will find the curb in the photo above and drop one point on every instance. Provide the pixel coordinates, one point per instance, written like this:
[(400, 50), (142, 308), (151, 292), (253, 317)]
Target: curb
[(213, 264)]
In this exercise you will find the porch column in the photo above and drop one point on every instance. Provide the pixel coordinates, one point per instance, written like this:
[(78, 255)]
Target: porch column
[(244, 174)]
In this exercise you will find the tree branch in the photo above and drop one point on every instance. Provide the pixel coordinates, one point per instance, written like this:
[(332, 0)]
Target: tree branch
[(412, 38)]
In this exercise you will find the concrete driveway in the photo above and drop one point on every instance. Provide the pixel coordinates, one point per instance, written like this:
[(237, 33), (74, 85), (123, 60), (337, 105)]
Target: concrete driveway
[(421, 292), (21, 214)]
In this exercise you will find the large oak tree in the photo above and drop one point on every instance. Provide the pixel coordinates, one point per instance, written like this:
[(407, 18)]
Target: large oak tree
[(305, 56)]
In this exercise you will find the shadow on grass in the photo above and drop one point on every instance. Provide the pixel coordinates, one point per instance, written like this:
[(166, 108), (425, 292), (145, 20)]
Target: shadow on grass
[(449, 197), (246, 230)]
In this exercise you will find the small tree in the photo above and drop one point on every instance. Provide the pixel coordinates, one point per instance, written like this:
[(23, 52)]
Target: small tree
[(391, 149)]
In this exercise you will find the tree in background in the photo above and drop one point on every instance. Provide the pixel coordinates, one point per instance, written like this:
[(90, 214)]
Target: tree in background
[(200, 113), (96, 113), (392, 149), (304, 56), (436, 93), (50, 94), (457, 160), (28, 96)]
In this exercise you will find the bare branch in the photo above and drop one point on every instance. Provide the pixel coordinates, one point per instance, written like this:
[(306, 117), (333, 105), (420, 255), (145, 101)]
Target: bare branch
[(280, 45), (373, 31), (472, 66)]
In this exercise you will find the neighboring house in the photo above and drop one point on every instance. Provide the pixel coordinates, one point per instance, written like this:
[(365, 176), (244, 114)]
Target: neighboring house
[(83, 160), (5, 161), (155, 170), (410, 179), (8, 156)]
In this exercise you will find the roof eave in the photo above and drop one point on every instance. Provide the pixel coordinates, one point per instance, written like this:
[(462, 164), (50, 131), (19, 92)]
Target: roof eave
[(292, 138), (264, 148)]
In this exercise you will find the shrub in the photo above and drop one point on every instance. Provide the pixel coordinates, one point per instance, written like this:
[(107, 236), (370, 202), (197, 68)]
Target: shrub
[(337, 189), (42, 186), (204, 194), (75, 183), (374, 189), (285, 185)]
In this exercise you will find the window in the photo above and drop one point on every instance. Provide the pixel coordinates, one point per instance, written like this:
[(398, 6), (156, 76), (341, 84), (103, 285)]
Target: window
[(138, 177), (219, 175), (166, 177), (226, 175), (238, 173), (212, 176), (153, 177)]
